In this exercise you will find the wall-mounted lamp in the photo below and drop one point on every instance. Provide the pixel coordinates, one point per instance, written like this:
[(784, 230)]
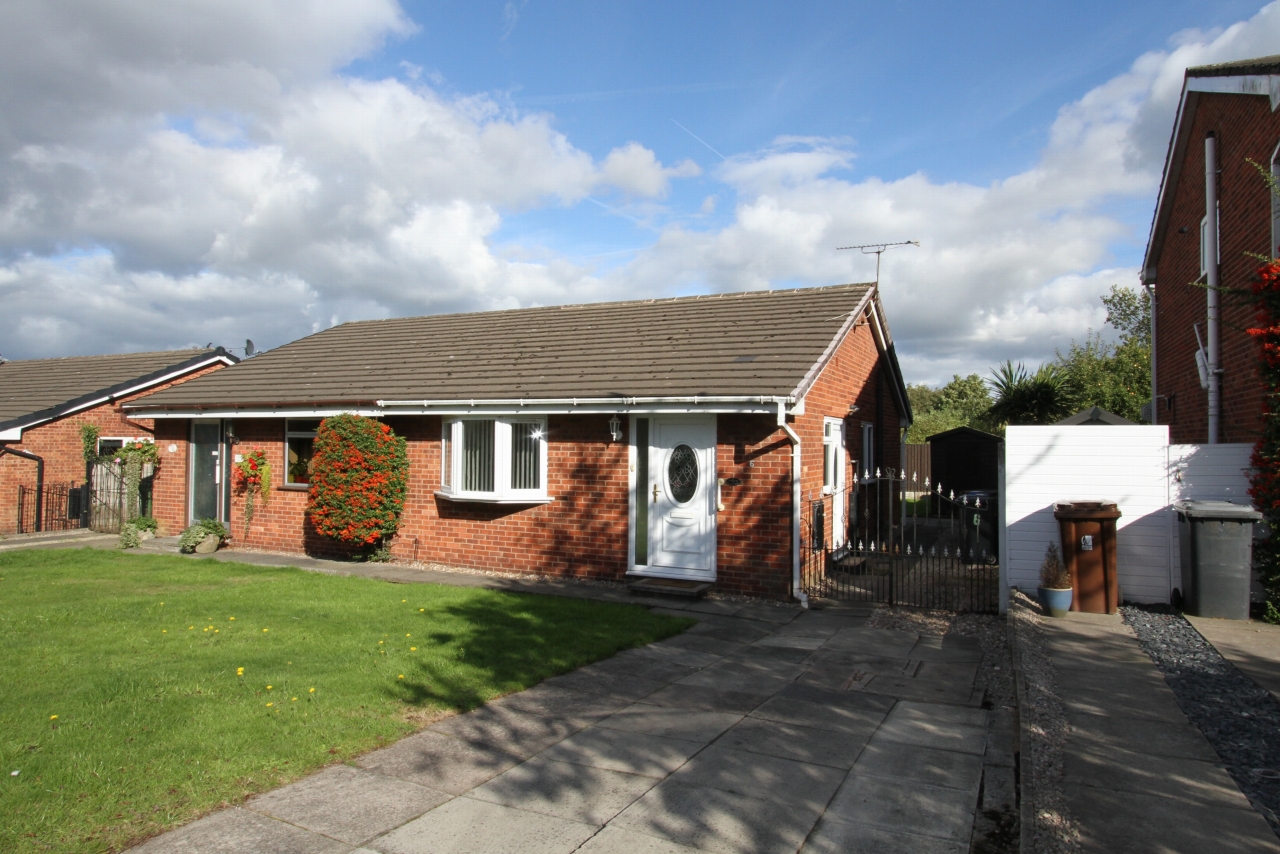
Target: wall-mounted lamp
[(615, 428)]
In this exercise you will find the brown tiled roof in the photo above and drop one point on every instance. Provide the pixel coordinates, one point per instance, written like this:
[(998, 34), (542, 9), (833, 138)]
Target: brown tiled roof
[(39, 387), (755, 343)]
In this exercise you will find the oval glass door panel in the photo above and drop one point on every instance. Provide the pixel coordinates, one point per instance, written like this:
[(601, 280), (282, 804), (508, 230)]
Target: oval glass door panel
[(682, 474)]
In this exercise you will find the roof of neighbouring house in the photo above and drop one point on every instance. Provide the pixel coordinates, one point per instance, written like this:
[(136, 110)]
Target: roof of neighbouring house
[(768, 343), (1096, 415), (1259, 77), (37, 390)]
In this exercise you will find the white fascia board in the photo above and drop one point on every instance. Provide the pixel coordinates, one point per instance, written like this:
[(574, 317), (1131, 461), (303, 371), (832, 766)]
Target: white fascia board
[(13, 434), (815, 370), (1244, 84), (758, 405)]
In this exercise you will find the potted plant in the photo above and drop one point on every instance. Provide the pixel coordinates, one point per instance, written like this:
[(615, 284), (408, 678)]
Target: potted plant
[(1055, 583)]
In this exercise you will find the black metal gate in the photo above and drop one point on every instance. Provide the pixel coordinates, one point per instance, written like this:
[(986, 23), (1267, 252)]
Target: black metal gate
[(57, 508), (891, 541)]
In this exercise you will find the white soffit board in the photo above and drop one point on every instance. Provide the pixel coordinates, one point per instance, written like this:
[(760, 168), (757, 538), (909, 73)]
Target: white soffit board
[(1244, 84)]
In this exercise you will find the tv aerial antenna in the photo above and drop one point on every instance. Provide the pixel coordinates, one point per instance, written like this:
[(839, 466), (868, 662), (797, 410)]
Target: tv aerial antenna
[(878, 249)]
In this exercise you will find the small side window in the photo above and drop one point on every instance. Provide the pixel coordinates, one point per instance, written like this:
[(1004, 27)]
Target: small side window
[(299, 442)]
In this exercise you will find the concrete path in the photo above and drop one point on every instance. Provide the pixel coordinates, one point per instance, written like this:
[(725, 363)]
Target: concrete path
[(1138, 777), (775, 730), (1251, 646), (77, 539)]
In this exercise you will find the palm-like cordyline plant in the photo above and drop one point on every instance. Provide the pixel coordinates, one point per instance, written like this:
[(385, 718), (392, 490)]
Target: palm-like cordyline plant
[(1022, 397)]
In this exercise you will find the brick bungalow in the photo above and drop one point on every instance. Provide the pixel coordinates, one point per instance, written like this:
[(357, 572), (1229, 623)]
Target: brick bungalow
[(45, 402), (669, 438), (1203, 246)]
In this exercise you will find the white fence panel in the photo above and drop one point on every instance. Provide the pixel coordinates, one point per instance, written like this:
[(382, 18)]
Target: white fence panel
[(1127, 465)]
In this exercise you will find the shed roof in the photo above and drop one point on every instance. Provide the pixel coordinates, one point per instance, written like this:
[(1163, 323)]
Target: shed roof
[(964, 434), (1096, 415), (767, 343), (34, 390)]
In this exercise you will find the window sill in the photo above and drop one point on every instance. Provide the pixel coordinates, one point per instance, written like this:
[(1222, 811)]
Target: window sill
[(480, 499), (294, 487)]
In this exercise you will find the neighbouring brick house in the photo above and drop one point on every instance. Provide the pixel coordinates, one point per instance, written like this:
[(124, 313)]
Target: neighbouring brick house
[(650, 438), (1227, 117), (45, 402)]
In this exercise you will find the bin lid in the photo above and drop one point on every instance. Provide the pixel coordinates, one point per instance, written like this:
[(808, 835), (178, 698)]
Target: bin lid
[(1086, 510), (1217, 510)]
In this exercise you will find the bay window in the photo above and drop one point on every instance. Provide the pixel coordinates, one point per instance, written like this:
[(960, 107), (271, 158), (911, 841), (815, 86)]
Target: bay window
[(494, 459)]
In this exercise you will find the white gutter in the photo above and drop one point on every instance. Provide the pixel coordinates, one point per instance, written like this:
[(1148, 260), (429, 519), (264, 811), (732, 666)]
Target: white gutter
[(1211, 283), (583, 401), (795, 504)]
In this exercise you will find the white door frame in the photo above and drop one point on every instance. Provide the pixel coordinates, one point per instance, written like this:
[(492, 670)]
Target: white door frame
[(836, 445), (220, 471), (642, 492)]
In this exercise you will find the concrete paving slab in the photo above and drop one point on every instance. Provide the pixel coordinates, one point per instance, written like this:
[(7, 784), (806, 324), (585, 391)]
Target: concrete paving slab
[(760, 661), (715, 606), (934, 811), (855, 722), (630, 688), (939, 688), (922, 731), (802, 744), (734, 679), (949, 768), (1146, 695), (760, 776), (469, 826), (439, 762), (838, 837), (740, 631), (932, 648), (1101, 733), (704, 643), (669, 722), (668, 654), (703, 699), (711, 820), (613, 840), (879, 642), (1251, 646), (777, 614), (235, 831), (565, 790), (628, 752), (552, 700), (809, 628), (1129, 823), (935, 713), (518, 733), (834, 678), (349, 804), (792, 641), (1178, 778), (641, 667)]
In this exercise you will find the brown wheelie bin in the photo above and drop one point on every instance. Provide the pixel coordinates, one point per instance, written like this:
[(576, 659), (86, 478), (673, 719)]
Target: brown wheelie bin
[(1088, 531)]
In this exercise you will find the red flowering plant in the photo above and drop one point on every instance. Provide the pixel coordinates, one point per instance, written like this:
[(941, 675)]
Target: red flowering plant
[(253, 480), (359, 477), (1265, 479)]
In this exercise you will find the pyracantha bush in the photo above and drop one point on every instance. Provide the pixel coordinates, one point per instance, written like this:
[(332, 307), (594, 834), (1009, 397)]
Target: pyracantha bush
[(1265, 478), (359, 476)]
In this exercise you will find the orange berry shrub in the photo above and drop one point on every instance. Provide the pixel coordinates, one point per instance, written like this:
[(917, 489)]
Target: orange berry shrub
[(359, 477), (1265, 479)]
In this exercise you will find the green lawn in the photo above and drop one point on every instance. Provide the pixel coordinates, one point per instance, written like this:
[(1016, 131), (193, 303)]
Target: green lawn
[(123, 709)]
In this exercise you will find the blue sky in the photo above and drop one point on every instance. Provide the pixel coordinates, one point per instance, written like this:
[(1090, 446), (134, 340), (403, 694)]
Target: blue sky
[(232, 169)]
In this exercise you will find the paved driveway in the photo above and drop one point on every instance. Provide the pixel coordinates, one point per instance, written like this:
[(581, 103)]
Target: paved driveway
[(776, 730)]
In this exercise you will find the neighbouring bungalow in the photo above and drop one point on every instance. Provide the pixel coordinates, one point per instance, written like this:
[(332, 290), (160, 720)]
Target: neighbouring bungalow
[(44, 403), (672, 438)]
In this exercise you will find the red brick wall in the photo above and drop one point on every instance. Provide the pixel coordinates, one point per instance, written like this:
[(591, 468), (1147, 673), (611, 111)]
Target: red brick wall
[(1246, 128), (58, 442)]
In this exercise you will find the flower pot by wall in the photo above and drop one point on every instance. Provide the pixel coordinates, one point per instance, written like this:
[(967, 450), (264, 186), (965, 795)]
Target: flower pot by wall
[(1056, 602)]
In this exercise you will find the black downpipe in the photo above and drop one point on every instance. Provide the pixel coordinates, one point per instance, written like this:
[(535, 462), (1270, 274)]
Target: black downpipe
[(39, 461)]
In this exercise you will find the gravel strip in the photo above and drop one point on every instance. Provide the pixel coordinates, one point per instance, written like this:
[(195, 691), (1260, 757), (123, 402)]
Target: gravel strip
[(1044, 730), (1240, 719)]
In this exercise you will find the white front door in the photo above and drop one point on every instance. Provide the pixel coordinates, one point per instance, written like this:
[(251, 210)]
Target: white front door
[(681, 493)]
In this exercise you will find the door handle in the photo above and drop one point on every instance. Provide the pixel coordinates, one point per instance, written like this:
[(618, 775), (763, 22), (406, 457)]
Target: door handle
[(655, 493)]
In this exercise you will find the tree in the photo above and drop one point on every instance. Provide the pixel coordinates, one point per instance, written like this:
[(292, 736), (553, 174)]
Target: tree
[(1117, 376), (1023, 397), (963, 402)]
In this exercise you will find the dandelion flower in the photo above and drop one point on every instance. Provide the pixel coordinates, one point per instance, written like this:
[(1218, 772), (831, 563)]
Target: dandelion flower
[(270, 704), (413, 649), (161, 603), (401, 676), (406, 634), (266, 630), (379, 641), (421, 610), (293, 699), (53, 717), (402, 600), (268, 687), (164, 631), (311, 691), (217, 631), (231, 618), (189, 628)]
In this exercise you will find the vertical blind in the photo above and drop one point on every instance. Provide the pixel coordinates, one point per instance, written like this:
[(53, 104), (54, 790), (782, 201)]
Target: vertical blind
[(477, 455), (525, 468)]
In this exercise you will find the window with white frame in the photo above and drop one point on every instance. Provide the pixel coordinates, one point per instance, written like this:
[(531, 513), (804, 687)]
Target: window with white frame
[(1275, 205), (108, 445), (299, 445), (830, 455), (494, 459)]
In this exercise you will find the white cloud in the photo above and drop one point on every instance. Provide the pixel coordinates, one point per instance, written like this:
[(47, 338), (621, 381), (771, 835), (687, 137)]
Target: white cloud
[(204, 171)]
